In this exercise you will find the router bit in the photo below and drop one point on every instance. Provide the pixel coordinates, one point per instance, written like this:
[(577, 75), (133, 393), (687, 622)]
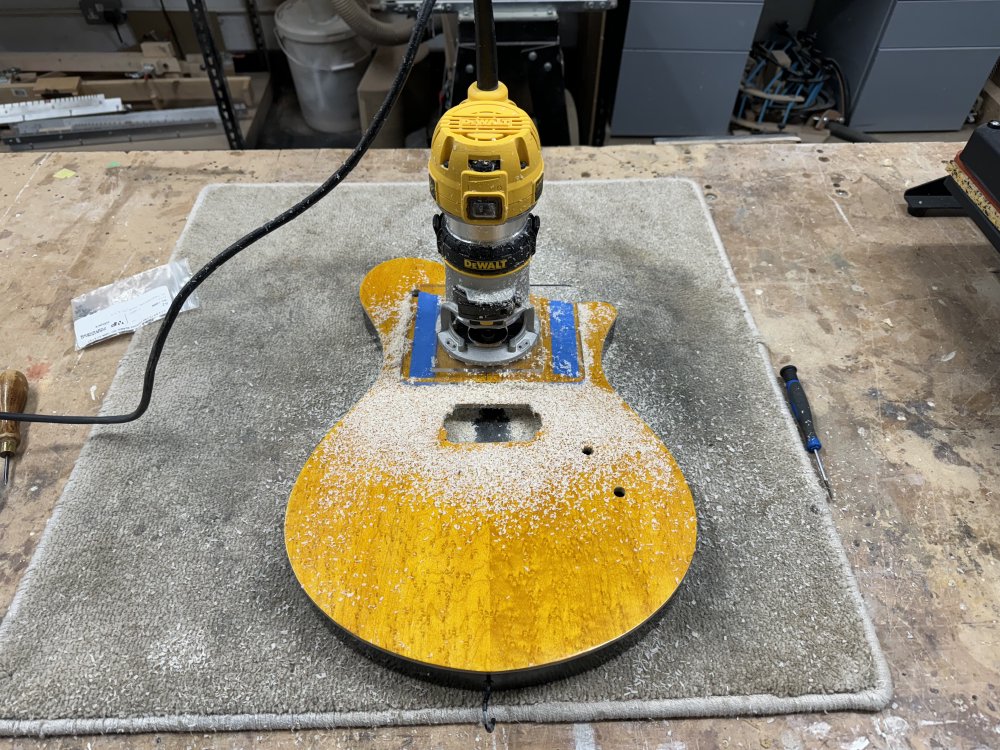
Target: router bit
[(13, 396)]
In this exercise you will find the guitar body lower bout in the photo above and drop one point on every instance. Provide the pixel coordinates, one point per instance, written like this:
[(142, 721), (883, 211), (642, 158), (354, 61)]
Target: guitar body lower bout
[(522, 524)]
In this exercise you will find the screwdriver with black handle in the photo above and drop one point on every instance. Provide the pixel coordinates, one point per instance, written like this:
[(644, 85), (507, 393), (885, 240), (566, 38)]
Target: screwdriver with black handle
[(799, 405), (13, 397)]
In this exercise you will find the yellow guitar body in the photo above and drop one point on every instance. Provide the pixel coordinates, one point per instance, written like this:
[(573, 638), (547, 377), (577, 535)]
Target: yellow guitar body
[(510, 558)]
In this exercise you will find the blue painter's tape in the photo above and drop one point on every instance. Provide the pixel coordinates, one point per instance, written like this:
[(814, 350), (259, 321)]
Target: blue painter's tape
[(565, 355), (424, 336)]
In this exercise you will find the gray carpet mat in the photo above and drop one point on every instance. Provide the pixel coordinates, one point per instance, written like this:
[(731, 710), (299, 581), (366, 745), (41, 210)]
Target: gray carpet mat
[(161, 599)]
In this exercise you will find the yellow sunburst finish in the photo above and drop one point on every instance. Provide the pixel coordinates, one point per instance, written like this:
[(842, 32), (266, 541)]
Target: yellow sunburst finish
[(488, 558)]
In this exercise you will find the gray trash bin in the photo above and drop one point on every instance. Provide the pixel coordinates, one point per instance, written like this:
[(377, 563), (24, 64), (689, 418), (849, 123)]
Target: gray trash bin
[(327, 60)]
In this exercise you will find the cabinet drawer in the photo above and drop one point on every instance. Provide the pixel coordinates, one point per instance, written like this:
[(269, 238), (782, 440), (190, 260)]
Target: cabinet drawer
[(673, 93), (691, 25), (910, 90), (943, 23)]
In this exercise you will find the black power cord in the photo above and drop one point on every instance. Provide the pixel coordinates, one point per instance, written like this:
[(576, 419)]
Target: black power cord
[(173, 32), (486, 46), (423, 17)]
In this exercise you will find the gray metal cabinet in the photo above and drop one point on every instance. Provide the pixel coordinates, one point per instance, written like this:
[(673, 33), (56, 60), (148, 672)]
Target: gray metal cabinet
[(681, 66), (911, 64)]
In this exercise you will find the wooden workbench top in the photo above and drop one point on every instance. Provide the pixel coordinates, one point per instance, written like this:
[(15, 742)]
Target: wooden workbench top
[(893, 322)]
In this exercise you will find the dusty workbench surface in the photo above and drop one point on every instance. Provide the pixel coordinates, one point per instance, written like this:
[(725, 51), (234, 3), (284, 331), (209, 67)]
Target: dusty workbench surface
[(894, 323)]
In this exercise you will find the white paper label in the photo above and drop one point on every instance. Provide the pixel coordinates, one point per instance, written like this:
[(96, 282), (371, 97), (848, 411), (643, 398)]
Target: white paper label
[(123, 317)]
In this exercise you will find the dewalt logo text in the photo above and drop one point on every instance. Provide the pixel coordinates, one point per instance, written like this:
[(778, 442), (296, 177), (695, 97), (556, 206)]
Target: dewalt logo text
[(485, 265)]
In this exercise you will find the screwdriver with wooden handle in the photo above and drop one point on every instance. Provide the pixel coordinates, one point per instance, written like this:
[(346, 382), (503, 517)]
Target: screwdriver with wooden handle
[(799, 405), (13, 397)]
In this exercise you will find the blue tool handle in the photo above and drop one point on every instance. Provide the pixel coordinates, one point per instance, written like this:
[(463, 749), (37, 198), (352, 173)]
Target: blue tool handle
[(800, 407)]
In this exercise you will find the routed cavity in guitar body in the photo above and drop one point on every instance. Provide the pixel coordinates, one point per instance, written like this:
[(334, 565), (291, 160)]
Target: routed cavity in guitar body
[(498, 423), (467, 523)]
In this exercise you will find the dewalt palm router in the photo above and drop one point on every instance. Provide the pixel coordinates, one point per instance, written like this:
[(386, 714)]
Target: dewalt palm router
[(486, 176)]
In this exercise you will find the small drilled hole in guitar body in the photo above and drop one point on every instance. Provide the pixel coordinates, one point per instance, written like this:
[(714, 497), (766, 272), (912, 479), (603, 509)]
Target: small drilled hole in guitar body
[(492, 423)]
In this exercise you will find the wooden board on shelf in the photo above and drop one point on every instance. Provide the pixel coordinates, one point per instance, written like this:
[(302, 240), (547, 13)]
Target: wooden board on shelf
[(157, 92), (157, 58)]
